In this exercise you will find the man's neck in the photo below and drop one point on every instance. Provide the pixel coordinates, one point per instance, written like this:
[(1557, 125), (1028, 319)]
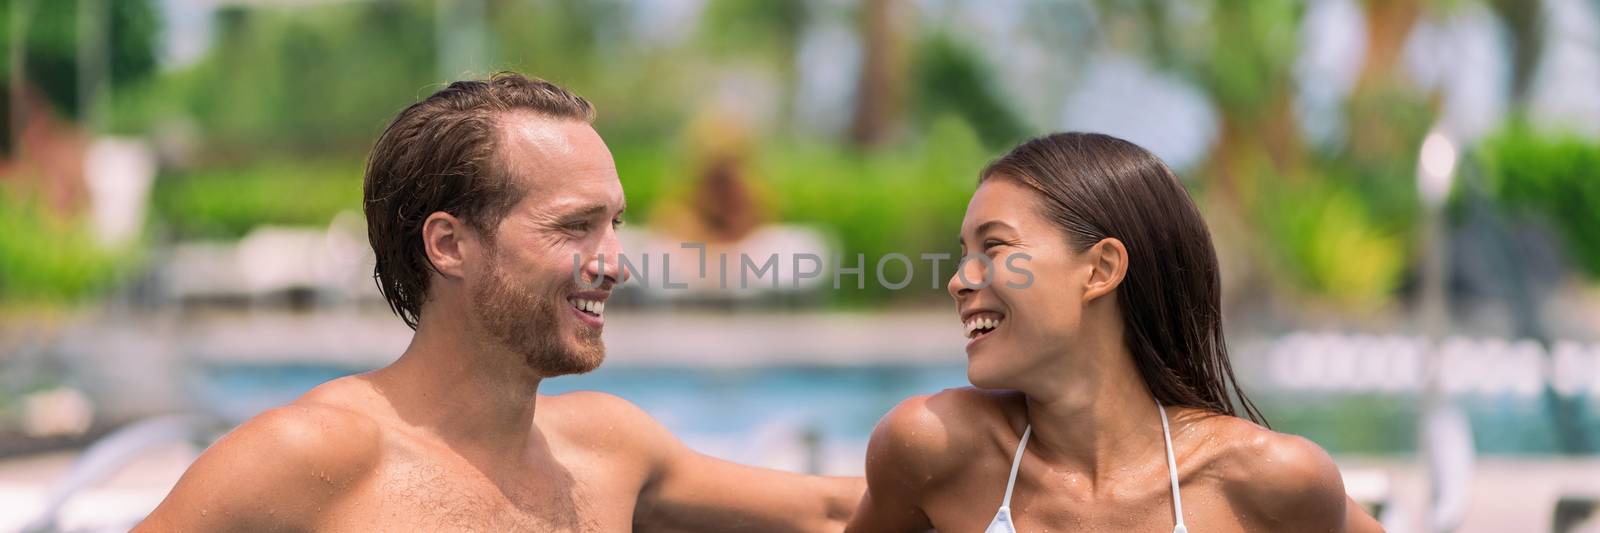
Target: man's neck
[(462, 387)]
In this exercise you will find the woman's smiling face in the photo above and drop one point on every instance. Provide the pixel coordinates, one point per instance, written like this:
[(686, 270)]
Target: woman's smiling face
[(1023, 306)]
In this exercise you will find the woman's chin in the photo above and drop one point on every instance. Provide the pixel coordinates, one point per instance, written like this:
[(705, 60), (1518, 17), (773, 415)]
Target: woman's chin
[(985, 378)]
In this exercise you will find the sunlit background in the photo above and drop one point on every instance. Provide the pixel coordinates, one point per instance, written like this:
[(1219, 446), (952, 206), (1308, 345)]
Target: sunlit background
[(1405, 196)]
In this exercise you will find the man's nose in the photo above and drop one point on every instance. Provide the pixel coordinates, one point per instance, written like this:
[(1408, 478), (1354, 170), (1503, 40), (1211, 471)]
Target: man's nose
[(608, 261)]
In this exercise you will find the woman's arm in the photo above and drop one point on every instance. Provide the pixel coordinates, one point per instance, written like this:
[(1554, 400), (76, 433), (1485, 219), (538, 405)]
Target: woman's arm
[(902, 458), (1288, 483), (1356, 519)]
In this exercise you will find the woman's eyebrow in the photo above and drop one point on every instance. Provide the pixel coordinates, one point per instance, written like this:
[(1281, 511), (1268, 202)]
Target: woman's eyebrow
[(984, 228), (990, 225)]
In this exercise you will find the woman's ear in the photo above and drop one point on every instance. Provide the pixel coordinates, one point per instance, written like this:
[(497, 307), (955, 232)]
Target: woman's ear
[(442, 239), (1108, 263)]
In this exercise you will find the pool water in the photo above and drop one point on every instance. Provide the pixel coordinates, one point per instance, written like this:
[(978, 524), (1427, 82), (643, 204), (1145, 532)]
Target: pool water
[(736, 412)]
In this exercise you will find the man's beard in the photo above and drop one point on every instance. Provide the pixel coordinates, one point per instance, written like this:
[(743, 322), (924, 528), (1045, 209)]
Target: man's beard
[(528, 324)]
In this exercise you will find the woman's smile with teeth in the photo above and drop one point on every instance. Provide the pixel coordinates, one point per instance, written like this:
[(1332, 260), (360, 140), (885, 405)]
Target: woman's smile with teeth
[(980, 324)]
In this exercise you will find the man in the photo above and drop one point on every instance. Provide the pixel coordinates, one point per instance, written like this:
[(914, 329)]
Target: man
[(480, 202)]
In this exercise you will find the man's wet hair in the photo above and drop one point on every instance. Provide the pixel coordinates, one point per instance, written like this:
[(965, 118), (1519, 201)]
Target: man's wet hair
[(438, 155)]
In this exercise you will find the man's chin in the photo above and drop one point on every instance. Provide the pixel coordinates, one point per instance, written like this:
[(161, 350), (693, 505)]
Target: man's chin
[(575, 368), (580, 359)]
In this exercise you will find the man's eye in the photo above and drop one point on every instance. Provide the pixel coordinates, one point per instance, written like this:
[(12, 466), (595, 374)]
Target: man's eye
[(617, 222), (576, 226), (991, 243)]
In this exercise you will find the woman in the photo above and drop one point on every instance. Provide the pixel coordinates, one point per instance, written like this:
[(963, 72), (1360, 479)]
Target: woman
[(1102, 399)]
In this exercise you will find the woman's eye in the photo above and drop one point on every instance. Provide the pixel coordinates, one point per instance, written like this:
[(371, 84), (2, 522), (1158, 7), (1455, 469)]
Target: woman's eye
[(991, 243)]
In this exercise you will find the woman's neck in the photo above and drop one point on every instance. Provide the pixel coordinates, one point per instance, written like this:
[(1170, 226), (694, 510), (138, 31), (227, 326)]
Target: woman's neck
[(1097, 416)]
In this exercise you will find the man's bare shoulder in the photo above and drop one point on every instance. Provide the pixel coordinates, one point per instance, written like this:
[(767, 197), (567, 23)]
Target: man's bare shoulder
[(334, 425), (611, 430), (340, 439), (1278, 479), (597, 417), (276, 469)]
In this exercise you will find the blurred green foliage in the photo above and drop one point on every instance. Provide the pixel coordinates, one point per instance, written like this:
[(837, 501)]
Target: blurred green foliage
[(50, 46), (1328, 241), (49, 260), (909, 200), (1241, 56), (1550, 175), (738, 27), (215, 204), (1248, 54), (322, 85), (288, 99), (1361, 423), (952, 78)]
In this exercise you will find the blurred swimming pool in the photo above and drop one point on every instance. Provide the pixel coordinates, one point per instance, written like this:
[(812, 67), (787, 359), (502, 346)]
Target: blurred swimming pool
[(732, 412)]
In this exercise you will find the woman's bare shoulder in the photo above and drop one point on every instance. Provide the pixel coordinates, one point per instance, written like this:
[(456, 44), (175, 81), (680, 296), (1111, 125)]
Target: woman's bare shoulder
[(1279, 480), (932, 436)]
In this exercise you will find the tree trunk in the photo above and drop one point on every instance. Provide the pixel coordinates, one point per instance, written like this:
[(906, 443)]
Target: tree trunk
[(881, 89)]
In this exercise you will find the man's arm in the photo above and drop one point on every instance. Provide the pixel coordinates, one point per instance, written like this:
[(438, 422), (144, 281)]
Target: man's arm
[(695, 492), (689, 491), (274, 472)]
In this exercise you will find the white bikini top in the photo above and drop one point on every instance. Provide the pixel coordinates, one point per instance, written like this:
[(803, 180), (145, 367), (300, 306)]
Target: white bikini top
[(1002, 519)]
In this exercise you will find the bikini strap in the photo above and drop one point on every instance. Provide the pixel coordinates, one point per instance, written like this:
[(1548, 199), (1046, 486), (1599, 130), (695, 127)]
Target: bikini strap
[(1172, 473), (1016, 462)]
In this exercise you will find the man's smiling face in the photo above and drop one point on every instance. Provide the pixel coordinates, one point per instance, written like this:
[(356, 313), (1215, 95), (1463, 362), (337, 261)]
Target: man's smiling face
[(523, 292)]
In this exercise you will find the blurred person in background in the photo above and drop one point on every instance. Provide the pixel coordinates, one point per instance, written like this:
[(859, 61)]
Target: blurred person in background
[(482, 201), (724, 202), (1101, 371)]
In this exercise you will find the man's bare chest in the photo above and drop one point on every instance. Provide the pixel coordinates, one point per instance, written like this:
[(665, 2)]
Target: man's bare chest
[(425, 494)]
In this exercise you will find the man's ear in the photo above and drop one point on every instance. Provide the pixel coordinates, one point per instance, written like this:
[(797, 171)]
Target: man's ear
[(444, 238), (1108, 263)]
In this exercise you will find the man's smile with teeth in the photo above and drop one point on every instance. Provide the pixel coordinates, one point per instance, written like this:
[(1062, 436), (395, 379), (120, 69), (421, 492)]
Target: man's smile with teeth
[(593, 307)]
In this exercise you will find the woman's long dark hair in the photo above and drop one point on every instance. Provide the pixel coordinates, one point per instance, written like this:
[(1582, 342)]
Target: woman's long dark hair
[(1097, 186)]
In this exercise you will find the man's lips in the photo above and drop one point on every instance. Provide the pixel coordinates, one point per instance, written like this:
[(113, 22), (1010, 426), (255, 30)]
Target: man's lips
[(589, 306)]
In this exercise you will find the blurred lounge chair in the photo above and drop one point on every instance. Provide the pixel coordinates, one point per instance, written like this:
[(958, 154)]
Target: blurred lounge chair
[(115, 451), (304, 266), (734, 283)]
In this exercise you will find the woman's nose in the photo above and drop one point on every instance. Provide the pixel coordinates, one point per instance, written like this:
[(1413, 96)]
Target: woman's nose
[(968, 278)]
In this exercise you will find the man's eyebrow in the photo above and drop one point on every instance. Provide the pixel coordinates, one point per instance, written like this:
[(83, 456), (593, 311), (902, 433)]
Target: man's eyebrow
[(588, 210)]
